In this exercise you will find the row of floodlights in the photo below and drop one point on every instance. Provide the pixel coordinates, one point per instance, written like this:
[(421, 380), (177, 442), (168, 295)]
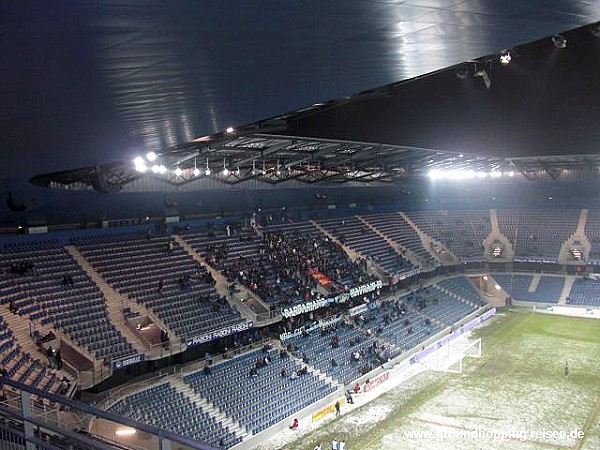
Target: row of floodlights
[(459, 174)]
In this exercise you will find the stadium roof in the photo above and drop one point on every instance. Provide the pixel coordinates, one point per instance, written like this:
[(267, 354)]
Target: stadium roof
[(114, 81)]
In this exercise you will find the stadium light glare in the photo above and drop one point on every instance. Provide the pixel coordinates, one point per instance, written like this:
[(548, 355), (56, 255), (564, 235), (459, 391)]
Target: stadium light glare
[(511, 173), (196, 171), (125, 431), (505, 57), (178, 171), (141, 168), (155, 168), (151, 156), (495, 174), (207, 171), (139, 161), (230, 130), (225, 171), (497, 287), (162, 169)]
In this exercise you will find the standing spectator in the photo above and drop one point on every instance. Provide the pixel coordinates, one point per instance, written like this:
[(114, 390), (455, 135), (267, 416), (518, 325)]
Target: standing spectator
[(337, 409)]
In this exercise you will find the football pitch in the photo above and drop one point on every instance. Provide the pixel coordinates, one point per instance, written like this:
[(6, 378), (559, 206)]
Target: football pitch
[(516, 396)]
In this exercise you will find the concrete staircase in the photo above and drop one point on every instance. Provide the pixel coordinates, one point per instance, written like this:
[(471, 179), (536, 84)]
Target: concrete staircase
[(351, 253), (566, 290), (433, 246), (406, 253), (221, 286), (535, 280), (202, 402), (116, 302)]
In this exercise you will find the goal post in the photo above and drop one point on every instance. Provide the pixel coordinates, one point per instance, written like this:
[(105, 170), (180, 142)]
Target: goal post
[(450, 357)]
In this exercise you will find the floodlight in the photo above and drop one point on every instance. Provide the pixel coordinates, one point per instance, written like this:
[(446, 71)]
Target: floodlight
[(225, 171), (511, 173), (207, 171), (178, 171), (230, 129), (505, 57), (162, 169), (497, 287), (559, 41), (151, 156), (141, 168), (155, 168), (196, 171), (139, 161), (125, 431)]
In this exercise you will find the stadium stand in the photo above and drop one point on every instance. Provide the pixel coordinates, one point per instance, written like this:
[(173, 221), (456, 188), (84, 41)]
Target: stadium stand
[(548, 288), (165, 407), (592, 231), (586, 292), (396, 228), (357, 236), (45, 285), (159, 274), (462, 232), (254, 392), (538, 234)]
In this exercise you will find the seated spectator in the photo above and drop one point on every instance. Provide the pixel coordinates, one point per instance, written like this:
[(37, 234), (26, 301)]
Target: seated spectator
[(333, 362), (294, 424)]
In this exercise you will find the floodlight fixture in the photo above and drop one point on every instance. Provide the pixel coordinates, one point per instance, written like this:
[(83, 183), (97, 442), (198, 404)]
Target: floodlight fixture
[(151, 156), (229, 130), (559, 41), (155, 168), (162, 169), (207, 168), (505, 57), (178, 171), (125, 431)]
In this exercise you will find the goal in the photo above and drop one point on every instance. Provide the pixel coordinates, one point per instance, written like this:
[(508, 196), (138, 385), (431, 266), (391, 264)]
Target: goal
[(450, 357)]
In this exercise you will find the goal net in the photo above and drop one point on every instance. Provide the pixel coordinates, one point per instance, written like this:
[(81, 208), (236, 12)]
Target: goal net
[(450, 357)]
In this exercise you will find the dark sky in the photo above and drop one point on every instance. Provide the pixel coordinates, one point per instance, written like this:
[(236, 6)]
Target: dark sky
[(86, 82)]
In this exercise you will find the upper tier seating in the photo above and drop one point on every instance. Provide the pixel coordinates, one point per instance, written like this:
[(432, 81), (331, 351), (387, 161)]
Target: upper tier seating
[(462, 232), (166, 280), (548, 289), (357, 236), (592, 231), (45, 283), (278, 265), (538, 234), (396, 228), (245, 257), (165, 407), (261, 400)]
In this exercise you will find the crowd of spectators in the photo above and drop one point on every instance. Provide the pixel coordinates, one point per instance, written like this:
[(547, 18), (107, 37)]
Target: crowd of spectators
[(285, 266)]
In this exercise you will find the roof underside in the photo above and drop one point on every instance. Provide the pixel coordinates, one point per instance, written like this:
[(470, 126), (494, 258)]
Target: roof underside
[(149, 75)]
